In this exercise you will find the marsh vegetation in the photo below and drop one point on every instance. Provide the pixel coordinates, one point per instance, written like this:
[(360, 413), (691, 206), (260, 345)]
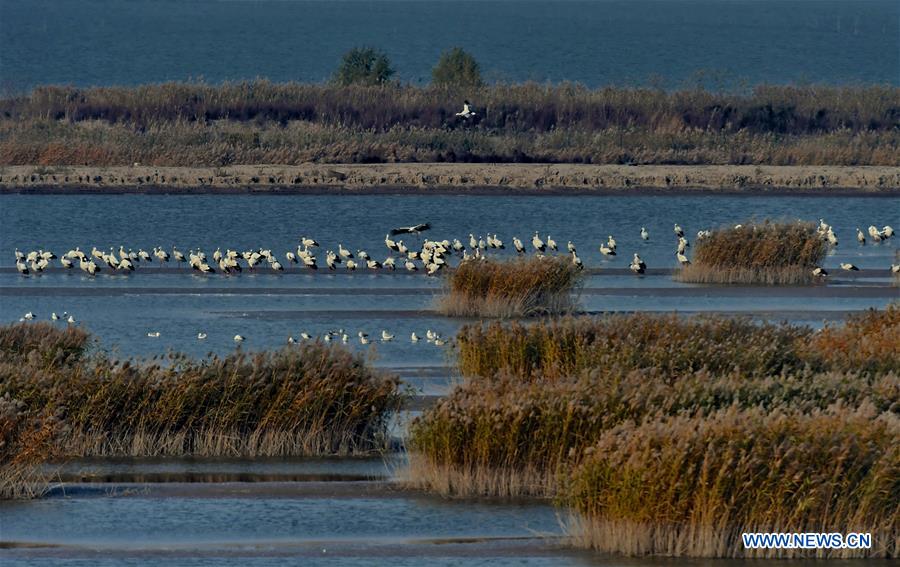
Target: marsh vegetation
[(195, 124), (577, 409)]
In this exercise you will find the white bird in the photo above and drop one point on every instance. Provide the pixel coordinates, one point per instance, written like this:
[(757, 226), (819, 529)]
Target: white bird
[(819, 272), (29, 316), (887, 231), (551, 244), (466, 111), (201, 336), (363, 338), (860, 237), (351, 265), (637, 265), (238, 339), (54, 316), (537, 242), (414, 337), (849, 267), (308, 242), (410, 266), (644, 234), (386, 337), (70, 320), (678, 230), (22, 268), (576, 260), (895, 268), (611, 242), (520, 248), (343, 252), (606, 250), (682, 259), (153, 334), (305, 336), (570, 247)]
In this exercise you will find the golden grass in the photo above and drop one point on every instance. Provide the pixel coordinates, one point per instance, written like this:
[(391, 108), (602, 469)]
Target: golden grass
[(177, 124), (312, 399), (523, 287), (768, 253), (530, 412), (555, 349), (689, 486)]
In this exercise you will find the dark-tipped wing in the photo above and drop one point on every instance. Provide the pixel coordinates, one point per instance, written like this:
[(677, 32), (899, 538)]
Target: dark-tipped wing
[(411, 229)]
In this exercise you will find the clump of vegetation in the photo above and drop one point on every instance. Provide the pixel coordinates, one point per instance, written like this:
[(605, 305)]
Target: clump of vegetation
[(365, 66), (523, 287), (177, 124), (558, 349), (314, 399), (457, 68), (26, 442), (658, 445), (757, 253), (689, 486)]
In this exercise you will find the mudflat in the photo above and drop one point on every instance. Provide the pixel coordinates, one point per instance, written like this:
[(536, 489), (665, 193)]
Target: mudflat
[(449, 177)]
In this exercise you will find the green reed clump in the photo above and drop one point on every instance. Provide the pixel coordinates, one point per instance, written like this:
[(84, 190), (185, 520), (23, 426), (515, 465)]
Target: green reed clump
[(553, 349), (312, 399), (523, 287), (757, 253), (689, 486)]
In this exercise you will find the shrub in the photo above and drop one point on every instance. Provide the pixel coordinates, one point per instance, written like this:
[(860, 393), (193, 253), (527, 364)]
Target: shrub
[(522, 287), (364, 66), (457, 68)]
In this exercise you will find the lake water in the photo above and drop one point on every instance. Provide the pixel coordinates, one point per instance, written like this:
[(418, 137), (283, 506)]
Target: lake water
[(596, 42), (267, 307)]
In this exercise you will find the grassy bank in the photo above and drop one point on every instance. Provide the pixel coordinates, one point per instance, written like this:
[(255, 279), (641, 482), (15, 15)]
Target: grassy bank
[(523, 287), (308, 400), (769, 253), (538, 399), (265, 123)]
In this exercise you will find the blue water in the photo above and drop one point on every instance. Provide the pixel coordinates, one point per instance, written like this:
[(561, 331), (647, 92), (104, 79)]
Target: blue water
[(670, 43), (266, 308)]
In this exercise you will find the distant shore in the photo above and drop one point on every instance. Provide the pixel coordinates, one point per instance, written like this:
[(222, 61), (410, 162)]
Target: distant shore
[(451, 178)]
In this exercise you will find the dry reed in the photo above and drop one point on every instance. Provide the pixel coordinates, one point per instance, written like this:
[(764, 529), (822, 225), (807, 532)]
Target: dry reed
[(177, 124), (757, 253), (524, 287), (689, 486)]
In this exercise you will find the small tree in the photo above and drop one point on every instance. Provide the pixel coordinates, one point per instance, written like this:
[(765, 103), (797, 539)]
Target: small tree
[(364, 66), (457, 68)]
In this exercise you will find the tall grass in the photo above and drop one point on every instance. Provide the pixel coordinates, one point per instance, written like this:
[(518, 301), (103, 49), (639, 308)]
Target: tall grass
[(530, 405), (522, 287), (757, 253), (261, 122), (309, 400), (689, 486), (557, 349)]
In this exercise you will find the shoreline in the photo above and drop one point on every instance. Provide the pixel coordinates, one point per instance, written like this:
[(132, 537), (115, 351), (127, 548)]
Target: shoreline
[(453, 178)]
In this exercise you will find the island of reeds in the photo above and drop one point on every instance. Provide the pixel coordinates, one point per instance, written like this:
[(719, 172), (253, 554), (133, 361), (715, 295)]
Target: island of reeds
[(60, 398), (765, 252), (523, 287), (669, 435), (375, 120)]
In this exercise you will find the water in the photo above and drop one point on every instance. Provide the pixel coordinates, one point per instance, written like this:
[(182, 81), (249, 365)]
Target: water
[(669, 43), (266, 307)]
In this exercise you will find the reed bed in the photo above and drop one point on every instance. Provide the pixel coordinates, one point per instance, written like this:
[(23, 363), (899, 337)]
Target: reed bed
[(551, 350), (767, 252), (672, 436), (523, 287), (314, 399), (689, 486), (178, 124)]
